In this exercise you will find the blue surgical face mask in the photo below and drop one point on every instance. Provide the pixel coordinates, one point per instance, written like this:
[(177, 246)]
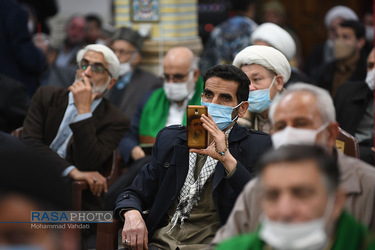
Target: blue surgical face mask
[(259, 100), (221, 114)]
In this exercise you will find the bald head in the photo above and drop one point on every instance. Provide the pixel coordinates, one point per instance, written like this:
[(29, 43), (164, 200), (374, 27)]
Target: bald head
[(179, 61), (179, 57)]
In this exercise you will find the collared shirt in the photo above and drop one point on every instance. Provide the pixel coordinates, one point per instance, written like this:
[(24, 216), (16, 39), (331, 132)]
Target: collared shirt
[(66, 132), (176, 113)]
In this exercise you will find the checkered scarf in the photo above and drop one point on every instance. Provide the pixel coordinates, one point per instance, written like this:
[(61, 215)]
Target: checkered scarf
[(191, 190)]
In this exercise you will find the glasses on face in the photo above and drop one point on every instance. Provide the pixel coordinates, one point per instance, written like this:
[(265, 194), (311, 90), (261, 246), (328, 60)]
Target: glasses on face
[(95, 67), (123, 52), (176, 77)]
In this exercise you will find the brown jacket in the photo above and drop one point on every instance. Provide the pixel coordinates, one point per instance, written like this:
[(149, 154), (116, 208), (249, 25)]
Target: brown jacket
[(93, 140), (357, 178)]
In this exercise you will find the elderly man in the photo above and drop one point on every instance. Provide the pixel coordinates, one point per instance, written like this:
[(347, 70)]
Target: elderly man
[(303, 206), (164, 106), (77, 127), (270, 34), (305, 115), (268, 70), (189, 194), (133, 82)]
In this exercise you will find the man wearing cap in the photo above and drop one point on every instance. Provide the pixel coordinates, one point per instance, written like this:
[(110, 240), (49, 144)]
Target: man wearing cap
[(77, 127), (133, 82), (268, 70), (324, 53), (270, 34)]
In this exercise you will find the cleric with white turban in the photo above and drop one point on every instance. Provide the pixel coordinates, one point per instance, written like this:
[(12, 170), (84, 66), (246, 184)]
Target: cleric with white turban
[(268, 70), (265, 56), (275, 36)]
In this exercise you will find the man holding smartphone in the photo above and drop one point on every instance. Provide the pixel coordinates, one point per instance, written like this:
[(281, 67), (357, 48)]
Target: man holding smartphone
[(187, 194)]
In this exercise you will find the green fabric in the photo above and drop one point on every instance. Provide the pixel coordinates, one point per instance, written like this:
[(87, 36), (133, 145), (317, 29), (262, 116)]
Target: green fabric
[(155, 112), (350, 235)]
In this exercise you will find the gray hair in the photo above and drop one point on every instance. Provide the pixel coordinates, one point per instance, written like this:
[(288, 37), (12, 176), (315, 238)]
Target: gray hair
[(324, 100), (109, 57)]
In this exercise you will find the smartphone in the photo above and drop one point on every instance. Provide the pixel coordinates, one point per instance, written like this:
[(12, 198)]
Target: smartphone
[(197, 136)]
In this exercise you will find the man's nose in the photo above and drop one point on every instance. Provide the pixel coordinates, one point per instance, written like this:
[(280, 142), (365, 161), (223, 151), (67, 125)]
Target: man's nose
[(252, 87), (285, 209)]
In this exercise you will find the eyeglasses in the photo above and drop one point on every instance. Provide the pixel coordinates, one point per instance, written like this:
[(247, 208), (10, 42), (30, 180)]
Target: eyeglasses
[(95, 67), (123, 52), (177, 77)]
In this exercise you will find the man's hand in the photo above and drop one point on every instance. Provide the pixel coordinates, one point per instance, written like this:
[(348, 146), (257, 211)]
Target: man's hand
[(82, 94), (134, 233), (96, 181), (218, 137), (137, 153)]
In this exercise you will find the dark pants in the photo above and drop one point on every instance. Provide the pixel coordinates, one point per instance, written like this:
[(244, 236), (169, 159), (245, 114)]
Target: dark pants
[(123, 182)]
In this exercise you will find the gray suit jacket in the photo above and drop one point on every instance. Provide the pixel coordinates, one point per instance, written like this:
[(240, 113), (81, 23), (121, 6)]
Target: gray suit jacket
[(128, 98)]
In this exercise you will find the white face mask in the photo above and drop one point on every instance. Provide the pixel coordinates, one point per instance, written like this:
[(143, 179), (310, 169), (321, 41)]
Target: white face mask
[(370, 79), (292, 236), (291, 135), (179, 91), (124, 68), (310, 235)]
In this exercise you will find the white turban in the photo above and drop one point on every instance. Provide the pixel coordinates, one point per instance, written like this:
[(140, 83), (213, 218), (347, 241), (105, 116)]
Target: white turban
[(339, 11), (265, 56), (276, 37)]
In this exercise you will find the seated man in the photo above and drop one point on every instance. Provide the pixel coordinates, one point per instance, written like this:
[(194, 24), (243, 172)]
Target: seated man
[(133, 82), (77, 127), (354, 103), (350, 58), (304, 114), (268, 70), (189, 194), (303, 206), (165, 106)]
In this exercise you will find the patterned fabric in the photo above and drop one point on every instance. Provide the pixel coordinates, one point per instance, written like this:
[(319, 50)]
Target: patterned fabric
[(191, 190), (226, 40)]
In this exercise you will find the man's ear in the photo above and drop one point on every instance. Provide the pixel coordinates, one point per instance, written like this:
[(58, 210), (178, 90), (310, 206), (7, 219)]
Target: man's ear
[(333, 131), (112, 83), (137, 59), (279, 82), (361, 43), (243, 108)]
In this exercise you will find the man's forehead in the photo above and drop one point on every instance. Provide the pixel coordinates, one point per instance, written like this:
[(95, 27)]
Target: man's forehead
[(290, 173), (94, 57), (345, 30), (300, 103)]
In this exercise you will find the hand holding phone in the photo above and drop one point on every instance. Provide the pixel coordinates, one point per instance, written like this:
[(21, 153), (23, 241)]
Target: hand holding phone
[(197, 136)]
